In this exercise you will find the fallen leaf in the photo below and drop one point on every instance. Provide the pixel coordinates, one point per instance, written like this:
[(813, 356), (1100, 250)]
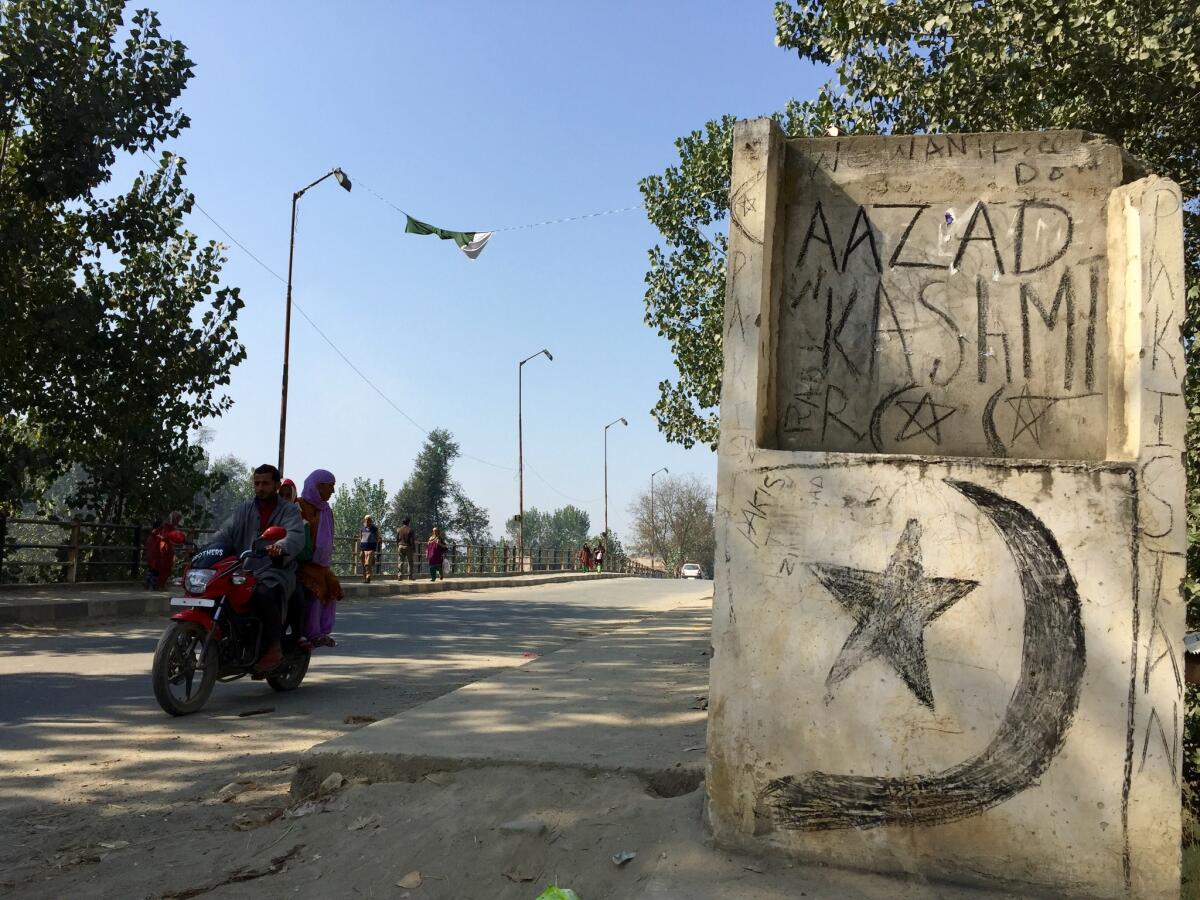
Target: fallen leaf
[(411, 880), (619, 859), (371, 821)]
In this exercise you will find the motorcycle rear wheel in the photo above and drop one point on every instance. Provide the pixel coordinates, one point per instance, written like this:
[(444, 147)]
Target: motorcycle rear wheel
[(176, 664), (289, 675)]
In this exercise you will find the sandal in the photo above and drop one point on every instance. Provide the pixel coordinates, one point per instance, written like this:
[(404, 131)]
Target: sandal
[(327, 641), (305, 644)]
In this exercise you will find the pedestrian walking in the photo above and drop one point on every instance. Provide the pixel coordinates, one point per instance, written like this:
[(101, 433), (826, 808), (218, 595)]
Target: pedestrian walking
[(368, 546), (598, 556), (406, 549), (435, 552), (585, 558), (320, 585), (160, 551)]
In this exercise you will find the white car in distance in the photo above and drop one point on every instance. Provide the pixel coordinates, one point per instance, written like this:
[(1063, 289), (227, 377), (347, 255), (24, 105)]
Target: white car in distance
[(690, 570)]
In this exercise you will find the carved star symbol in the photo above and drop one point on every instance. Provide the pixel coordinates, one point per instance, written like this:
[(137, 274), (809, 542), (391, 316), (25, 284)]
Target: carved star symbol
[(930, 425), (1030, 410), (892, 608), (746, 204)]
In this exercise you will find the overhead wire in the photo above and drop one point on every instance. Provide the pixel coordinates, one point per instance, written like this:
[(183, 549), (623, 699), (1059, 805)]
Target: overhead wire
[(336, 349)]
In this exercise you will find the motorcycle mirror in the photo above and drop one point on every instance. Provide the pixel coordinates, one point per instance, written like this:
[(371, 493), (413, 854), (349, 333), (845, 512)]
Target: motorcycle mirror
[(274, 533), (176, 537)]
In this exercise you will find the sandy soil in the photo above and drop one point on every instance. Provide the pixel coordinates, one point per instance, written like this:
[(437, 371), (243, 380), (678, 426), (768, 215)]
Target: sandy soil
[(482, 834)]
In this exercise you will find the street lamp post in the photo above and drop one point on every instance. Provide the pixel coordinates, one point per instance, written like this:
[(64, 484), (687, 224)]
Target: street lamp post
[(624, 422), (653, 528), (344, 180), (521, 462)]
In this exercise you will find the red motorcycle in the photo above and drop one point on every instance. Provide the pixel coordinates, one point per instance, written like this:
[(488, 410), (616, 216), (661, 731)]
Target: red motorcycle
[(216, 635)]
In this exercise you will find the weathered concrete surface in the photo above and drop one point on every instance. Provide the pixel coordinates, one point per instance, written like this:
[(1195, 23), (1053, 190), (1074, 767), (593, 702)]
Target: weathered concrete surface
[(963, 665), (931, 284), (630, 701), (43, 605)]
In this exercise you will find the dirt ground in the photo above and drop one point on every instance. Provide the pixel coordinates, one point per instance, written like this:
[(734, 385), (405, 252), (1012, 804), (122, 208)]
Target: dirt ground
[(479, 834)]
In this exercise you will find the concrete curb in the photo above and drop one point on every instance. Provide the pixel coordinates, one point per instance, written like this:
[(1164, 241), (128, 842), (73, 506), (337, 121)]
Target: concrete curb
[(77, 604), (623, 701)]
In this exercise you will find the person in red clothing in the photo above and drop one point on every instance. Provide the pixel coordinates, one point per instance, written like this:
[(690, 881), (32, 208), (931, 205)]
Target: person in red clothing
[(287, 490), (160, 551), (435, 552)]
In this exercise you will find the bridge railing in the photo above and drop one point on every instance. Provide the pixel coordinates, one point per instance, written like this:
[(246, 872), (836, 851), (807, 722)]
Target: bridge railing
[(37, 551)]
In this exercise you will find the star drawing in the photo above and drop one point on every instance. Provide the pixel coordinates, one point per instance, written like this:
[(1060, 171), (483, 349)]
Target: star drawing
[(891, 610), (1030, 410), (929, 425)]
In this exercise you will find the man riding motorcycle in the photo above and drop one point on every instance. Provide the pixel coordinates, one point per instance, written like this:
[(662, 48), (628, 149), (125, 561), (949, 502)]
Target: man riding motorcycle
[(277, 582)]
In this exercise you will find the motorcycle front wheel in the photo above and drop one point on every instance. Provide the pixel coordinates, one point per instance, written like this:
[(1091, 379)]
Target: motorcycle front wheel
[(182, 681)]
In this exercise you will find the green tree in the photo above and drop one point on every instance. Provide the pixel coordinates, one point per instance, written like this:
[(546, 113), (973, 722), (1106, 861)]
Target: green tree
[(363, 497), (565, 528), (1124, 70), (430, 497), (117, 341), (471, 523), (231, 482)]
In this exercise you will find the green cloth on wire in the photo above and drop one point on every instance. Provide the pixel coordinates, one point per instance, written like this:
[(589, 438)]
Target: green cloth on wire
[(469, 242), (415, 226)]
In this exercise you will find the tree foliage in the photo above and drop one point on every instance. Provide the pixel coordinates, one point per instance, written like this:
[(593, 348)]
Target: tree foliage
[(117, 340), (230, 483), (1130, 71), (566, 528), (430, 497), (677, 525)]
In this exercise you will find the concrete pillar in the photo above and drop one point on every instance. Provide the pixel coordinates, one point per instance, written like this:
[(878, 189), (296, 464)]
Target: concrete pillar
[(948, 621)]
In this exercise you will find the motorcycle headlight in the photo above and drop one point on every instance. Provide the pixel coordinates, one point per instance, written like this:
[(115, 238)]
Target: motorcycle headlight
[(197, 580)]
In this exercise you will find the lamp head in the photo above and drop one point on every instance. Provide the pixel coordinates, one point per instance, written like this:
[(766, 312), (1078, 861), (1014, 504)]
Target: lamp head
[(549, 355), (342, 178), (624, 421)]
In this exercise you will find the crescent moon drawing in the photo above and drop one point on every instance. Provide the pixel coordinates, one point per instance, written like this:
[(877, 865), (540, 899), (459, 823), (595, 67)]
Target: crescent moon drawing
[(877, 414), (1035, 723), (989, 425)]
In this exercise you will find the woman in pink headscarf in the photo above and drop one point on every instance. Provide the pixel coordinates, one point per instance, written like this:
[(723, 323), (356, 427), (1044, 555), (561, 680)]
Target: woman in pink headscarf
[(316, 576)]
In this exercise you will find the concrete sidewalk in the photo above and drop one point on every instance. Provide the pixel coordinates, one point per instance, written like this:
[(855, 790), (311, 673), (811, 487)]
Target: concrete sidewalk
[(631, 701), (595, 748), (41, 605)]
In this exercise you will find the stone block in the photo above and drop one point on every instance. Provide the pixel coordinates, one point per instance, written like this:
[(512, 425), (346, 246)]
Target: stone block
[(947, 622)]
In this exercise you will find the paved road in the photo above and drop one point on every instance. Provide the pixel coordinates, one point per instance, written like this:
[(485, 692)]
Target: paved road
[(88, 761), (78, 721)]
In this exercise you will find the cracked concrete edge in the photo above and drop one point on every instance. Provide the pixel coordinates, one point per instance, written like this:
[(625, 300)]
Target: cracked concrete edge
[(43, 612), (316, 765)]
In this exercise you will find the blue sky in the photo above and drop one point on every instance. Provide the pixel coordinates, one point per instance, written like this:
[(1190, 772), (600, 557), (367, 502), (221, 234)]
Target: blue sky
[(471, 117)]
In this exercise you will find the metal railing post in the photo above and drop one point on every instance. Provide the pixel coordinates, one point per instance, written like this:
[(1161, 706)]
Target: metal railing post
[(73, 553), (135, 560)]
